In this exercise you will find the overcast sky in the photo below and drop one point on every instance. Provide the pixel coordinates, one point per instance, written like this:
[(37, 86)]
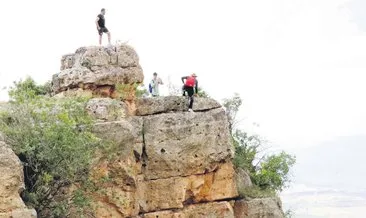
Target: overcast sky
[(299, 64)]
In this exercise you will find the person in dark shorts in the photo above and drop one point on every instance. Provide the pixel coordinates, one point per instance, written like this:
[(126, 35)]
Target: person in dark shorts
[(100, 22), (191, 87)]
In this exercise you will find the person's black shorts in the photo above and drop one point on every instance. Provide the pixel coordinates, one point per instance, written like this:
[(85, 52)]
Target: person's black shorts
[(189, 90), (103, 30)]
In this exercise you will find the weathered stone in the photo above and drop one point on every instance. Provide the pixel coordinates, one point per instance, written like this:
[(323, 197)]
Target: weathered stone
[(123, 132), (115, 203), (217, 185), (79, 92), (116, 176), (242, 178), (183, 144), (20, 213), (11, 180), (106, 109), (209, 210), (163, 194), (98, 66), (175, 192), (156, 105), (259, 208)]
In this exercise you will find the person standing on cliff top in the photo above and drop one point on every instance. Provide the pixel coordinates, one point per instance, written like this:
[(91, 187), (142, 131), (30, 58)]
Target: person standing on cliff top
[(154, 85), (100, 22), (191, 87)]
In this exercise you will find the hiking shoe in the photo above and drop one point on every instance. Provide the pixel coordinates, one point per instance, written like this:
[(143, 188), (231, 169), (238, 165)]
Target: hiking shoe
[(190, 110)]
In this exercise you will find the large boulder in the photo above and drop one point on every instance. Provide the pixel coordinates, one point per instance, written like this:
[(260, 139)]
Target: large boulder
[(11, 180), (93, 67), (175, 192), (259, 208), (183, 144)]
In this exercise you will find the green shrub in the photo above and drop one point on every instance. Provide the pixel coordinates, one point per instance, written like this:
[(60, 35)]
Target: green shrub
[(273, 171), (269, 173), (28, 89), (202, 93), (53, 139)]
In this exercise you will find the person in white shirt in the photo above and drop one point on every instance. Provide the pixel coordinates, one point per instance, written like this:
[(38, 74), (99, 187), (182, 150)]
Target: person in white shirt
[(154, 85)]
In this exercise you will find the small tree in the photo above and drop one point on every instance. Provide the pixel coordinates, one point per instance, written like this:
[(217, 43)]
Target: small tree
[(268, 172), (273, 171), (232, 106), (28, 89)]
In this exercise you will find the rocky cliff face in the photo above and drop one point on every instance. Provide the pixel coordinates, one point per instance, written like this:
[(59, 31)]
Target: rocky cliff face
[(170, 161), (11, 184), (166, 162)]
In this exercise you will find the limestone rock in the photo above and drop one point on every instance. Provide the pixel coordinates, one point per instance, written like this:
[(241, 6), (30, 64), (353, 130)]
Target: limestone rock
[(175, 192), (209, 210), (259, 208), (183, 144), (117, 176), (125, 132), (242, 179), (98, 66), (79, 92), (11, 180), (156, 105), (106, 109), (163, 194), (20, 213)]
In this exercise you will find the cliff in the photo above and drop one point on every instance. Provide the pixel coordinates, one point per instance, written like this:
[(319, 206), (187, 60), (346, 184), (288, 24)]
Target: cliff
[(167, 162)]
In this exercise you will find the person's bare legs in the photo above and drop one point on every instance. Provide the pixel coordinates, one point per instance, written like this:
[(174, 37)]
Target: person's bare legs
[(109, 38), (100, 39)]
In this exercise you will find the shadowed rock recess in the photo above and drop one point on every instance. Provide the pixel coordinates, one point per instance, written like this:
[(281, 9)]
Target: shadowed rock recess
[(168, 163)]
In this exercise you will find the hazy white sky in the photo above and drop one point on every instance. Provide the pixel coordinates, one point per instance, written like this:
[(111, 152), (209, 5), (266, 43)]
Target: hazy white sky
[(299, 64)]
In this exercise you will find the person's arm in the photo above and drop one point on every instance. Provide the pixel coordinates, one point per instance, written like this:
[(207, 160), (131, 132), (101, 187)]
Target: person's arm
[(161, 81), (183, 78), (96, 22)]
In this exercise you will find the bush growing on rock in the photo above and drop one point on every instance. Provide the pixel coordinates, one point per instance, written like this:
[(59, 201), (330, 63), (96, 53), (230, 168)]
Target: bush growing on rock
[(269, 173), (54, 141)]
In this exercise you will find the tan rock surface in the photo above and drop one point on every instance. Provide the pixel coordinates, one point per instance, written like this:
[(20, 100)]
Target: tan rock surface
[(156, 105), (259, 208), (242, 178), (98, 66), (175, 192), (106, 109), (11, 180), (116, 176), (208, 210), (183, 144)]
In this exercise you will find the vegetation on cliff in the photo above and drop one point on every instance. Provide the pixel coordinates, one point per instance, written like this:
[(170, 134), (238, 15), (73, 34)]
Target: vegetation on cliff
[(53, 139), (269, 172)]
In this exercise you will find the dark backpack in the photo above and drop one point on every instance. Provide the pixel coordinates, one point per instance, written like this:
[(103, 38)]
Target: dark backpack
[(150, 88)]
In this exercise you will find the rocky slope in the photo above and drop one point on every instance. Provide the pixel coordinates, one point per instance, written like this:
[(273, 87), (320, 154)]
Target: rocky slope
[(167, 162)]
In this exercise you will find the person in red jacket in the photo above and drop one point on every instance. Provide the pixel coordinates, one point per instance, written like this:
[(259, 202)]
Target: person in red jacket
[(191, 87)]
